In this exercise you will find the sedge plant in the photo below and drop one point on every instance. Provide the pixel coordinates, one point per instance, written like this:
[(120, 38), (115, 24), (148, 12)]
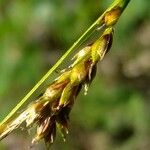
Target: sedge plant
[(50, 112)]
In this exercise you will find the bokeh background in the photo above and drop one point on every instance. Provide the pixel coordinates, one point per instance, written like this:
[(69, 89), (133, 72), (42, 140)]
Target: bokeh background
[(115, 115)]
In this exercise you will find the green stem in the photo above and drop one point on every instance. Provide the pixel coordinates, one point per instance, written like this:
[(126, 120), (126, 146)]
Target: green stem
[(97, 24)]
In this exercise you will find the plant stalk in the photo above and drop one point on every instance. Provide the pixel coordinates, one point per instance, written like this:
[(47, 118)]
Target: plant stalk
[(100, 23)]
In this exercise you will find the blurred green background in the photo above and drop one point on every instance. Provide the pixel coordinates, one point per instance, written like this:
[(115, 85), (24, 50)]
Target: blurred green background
[(115, 115)]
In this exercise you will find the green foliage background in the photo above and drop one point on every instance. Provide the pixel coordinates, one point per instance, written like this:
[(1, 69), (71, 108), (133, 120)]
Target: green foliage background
[(115, 114)]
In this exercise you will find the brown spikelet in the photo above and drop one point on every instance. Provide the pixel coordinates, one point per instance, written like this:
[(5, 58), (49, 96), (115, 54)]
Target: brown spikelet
[(51, 111)]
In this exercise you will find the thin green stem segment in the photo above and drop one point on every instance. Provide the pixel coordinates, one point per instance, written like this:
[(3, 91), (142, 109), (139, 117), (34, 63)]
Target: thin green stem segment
[(97, 24)]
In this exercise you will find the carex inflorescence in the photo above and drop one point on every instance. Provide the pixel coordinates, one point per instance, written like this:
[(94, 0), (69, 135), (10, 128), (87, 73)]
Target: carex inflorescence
[(50, 112)]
